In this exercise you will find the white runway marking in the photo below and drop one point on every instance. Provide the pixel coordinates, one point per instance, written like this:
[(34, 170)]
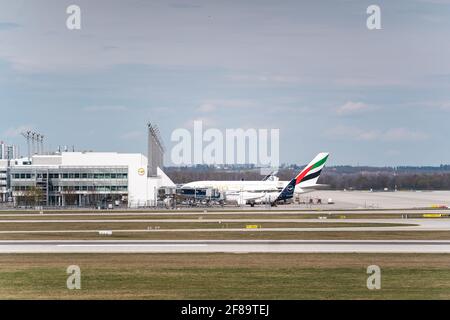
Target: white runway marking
[(441, 224), (134, 245), (227, 246)]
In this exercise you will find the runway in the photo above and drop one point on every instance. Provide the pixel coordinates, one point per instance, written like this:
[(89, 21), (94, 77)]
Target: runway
[(406, 225), (213, 212), (227, 246)]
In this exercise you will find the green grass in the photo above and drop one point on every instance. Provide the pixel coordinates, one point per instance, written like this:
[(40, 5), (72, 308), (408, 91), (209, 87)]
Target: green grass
[(237, 235), (212, 216), (200, 210), (121, 225), (225, 276)]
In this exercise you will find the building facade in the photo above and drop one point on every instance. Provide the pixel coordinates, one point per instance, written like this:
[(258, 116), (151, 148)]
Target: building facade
[(8, 152), (4, 180), (85, 179)]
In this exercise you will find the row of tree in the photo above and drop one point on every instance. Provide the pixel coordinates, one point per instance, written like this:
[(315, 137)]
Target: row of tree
[(336, 179), (406, 181)]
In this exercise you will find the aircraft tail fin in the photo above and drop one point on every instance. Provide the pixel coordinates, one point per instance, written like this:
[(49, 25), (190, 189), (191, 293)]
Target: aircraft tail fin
[(310, 174), (306, 178), (287, 192)]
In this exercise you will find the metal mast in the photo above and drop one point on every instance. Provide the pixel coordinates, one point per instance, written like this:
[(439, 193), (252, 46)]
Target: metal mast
[(155, 150)]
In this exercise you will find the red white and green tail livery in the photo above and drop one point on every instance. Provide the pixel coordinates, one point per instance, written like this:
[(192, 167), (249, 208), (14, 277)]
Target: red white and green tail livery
[(307, 178)]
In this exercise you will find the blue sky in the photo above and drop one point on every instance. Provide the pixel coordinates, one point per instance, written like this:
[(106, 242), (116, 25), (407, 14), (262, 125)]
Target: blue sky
[(310, 68)]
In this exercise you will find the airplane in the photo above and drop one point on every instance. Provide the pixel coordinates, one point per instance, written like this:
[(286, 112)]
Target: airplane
[(269, 190), (271, 176)]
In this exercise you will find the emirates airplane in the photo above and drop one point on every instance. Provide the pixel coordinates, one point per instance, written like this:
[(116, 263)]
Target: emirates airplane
[(268, 190)]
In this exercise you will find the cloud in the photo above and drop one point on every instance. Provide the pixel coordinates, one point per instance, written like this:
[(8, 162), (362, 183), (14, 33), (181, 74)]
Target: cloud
[(8, 26), (344, 132), (430, 106), (267, 78), (207, 122), (351, 107), (389, 135), (442, 105), (240, 41), (434, 1), (133, 135), (403, 134), (365, 81), (107, 48), (207, 107), (105, 109), (16, 131), (180, 5), (213, 105)]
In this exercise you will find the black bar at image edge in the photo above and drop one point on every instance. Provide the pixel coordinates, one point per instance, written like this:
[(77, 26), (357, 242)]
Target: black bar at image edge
[(220, 309)]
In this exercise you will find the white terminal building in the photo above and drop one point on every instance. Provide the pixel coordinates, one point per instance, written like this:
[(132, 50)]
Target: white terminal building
[(85, 178)]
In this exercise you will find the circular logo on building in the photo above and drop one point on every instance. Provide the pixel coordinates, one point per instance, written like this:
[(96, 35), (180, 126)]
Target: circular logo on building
[(141, 171)]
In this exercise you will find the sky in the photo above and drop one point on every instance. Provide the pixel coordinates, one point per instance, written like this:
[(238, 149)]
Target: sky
[(309, 68)]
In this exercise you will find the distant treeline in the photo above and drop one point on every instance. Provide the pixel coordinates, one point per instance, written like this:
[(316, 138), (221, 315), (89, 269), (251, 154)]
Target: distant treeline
[(379, 181), (338, 177), (188, 174)]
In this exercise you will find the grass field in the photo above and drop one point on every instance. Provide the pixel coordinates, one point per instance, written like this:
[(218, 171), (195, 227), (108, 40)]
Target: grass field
[(225, 276), (219, 276), (120, 225), (245, 216), (237, 235)]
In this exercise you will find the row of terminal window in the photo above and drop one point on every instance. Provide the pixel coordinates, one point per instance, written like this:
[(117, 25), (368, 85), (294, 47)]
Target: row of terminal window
[(76, 188), (71, 175)]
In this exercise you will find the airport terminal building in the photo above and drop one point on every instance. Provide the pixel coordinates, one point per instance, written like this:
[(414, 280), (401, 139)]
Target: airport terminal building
[(85, 179)]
